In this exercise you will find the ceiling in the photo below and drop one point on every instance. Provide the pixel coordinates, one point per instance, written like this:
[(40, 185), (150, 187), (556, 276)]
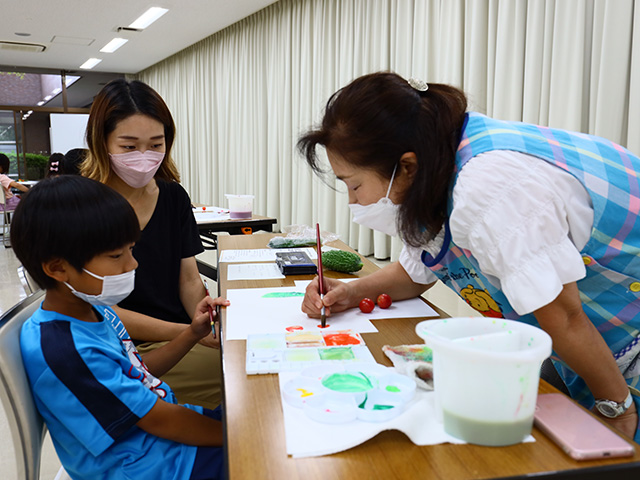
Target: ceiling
[(75, 30)]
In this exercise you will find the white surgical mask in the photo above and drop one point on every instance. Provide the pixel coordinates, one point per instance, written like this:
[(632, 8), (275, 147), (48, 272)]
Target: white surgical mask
[(380, 216), (115, 288), (136, 168)]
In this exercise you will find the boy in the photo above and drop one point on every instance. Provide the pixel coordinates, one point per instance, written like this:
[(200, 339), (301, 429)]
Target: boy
[(108, 414)]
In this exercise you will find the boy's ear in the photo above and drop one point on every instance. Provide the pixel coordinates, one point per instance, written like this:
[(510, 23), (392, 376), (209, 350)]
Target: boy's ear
[(57, 269)]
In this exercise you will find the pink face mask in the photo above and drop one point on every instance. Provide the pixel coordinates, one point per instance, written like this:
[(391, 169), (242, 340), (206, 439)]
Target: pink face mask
[(136, 169)]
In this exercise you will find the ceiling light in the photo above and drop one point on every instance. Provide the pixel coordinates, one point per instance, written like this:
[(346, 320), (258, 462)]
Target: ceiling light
[(56, 91), (113, 45), (89, 64), (48, 97), (148, 17), (40, 103)]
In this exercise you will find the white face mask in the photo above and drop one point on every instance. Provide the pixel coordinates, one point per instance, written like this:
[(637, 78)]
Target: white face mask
[(380, 216), (115, 288), (136, 169)]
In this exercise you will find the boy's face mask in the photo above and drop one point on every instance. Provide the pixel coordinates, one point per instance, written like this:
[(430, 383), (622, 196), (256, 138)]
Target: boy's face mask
[(115, 288)]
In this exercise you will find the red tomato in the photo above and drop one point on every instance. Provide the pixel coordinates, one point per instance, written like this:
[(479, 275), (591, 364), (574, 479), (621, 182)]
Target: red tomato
[(384, 301), (367, 305)]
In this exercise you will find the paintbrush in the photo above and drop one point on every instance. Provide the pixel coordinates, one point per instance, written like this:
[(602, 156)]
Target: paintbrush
[(323, 317), (213, 324)]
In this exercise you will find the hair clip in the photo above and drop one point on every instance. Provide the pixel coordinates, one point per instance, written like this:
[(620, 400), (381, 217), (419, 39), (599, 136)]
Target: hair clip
[(419, 85), (53, 169)]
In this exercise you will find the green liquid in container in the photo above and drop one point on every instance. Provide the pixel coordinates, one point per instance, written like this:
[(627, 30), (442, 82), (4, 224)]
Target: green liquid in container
[(493, 434)]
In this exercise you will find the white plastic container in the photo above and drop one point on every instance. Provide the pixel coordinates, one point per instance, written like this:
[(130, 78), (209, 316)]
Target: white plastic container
[(486, 373), (240, 206)]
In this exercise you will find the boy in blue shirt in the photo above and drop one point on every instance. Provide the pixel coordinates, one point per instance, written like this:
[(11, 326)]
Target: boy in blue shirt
[(108, 413)]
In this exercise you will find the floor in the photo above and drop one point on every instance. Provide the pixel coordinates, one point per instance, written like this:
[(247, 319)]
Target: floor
[(11, 292)]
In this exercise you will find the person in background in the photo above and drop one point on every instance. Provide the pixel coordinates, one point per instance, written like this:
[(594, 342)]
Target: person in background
[(130, 133), (10, 200), (541, 224), (56, 165), (73, 159), (108, 414)]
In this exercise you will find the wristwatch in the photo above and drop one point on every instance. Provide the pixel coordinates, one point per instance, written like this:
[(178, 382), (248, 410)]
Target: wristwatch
[(612, 409)]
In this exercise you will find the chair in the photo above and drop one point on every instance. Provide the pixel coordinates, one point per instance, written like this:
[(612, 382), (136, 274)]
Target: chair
[(6, 221), (29, 285), (25, 423)]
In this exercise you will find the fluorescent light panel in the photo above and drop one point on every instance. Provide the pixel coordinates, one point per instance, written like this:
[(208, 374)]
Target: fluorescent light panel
[(89, 64), (113, 45), (148, 17)]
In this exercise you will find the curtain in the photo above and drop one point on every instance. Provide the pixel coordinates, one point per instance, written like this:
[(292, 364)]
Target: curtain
[(242, 97)]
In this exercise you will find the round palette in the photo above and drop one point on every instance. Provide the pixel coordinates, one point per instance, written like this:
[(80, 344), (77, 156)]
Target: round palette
[(371, 393)]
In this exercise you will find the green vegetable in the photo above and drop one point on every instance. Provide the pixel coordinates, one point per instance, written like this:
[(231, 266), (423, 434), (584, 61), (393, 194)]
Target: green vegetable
[(341, 261), (282, 242)]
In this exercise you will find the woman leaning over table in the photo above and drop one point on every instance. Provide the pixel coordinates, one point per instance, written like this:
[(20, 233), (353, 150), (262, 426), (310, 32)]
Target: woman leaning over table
[(524, 222), (130, 133)]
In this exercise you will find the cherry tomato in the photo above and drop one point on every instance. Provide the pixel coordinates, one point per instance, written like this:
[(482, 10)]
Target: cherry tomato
[(384, 301), (366, 305)]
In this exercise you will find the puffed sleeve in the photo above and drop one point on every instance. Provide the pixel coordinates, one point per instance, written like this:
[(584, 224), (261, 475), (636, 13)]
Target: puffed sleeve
[(525, 221), (410, 259)]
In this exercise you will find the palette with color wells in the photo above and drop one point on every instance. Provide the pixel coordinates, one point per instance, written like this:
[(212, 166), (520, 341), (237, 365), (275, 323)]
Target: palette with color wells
[(297, 350)]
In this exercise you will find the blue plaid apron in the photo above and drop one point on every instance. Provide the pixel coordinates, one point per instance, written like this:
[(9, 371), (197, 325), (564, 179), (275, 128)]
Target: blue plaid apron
[(610, 292)]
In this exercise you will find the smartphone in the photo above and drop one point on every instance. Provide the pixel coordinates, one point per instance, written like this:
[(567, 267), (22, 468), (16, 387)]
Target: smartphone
[(576, 431)]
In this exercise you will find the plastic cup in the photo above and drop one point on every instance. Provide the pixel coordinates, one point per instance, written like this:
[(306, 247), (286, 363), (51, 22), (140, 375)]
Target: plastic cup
[(486, 373), (240, 206)]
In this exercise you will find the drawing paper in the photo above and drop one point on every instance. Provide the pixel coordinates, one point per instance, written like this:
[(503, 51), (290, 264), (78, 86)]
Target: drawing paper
[(261, 254), (275, 310), (253, 271)]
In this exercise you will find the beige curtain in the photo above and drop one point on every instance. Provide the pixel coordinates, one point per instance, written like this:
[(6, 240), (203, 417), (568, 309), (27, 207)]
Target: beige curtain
[(242, 97)]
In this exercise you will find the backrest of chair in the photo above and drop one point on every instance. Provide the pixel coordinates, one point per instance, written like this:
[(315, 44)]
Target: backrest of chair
[(29, 285), (25, 423)]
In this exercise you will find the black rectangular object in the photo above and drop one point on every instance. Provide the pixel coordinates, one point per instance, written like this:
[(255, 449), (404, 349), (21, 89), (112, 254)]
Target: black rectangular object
[(295, 263)]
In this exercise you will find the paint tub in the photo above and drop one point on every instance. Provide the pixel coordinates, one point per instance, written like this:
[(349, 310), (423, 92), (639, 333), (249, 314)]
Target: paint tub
[(240, 206), (299, 390), (486, 373), (398, 385)]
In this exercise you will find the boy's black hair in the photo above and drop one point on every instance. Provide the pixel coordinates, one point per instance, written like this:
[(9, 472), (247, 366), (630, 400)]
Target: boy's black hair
[(73, 218), (4, 163)]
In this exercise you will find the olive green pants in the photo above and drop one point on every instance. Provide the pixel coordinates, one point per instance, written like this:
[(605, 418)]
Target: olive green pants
[(197, 378)]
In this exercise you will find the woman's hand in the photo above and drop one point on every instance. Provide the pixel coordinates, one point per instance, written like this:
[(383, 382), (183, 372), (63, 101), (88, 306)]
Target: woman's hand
[(338, 297), (626, 423), (201, 323)]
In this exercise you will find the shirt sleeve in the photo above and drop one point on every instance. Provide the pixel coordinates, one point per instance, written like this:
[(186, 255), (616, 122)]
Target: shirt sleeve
[(411, 261), (94, 398), (525, 221)]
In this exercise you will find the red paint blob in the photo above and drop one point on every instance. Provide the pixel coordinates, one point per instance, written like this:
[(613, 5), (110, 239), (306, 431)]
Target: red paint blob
[(326, 326), (338, 339), (293, 328)]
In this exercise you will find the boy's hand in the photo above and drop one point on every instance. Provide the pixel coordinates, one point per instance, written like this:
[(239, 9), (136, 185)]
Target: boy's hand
[(201, 323)]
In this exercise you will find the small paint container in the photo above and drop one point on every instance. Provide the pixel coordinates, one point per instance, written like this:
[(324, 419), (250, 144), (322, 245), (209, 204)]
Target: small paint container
[(380, 406), (398, 385), (299, 390), (331, 408)]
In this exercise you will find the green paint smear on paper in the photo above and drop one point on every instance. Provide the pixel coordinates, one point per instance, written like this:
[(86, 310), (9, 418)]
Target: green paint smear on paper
[(336, 353), (301, 355), (392, 388), (348, 382), (283, 294), (382, 407)]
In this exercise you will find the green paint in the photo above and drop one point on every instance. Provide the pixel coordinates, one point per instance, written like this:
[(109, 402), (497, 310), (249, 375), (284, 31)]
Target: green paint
[(392, 388), (382, 407), (336, 353), (301, 355), (283, 294), (348, 382), (265, 343)]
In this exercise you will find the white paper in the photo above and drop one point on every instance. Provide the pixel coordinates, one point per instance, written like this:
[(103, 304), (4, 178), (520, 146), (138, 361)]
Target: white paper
[(253, 271), (261, 254), (411, 308), (251, 312), (210, 214), (308, 438)]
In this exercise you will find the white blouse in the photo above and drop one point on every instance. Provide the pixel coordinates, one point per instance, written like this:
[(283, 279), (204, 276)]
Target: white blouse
[(524, 220)]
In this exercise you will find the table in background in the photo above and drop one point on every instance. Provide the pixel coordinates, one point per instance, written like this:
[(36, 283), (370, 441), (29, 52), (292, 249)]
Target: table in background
[(232, 226), (254, 423)]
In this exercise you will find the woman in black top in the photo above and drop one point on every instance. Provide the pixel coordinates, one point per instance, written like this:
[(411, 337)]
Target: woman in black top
[(130, 133)]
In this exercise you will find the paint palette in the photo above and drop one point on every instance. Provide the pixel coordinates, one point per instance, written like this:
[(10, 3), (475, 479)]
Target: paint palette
[(341, 394), (300, 349)]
